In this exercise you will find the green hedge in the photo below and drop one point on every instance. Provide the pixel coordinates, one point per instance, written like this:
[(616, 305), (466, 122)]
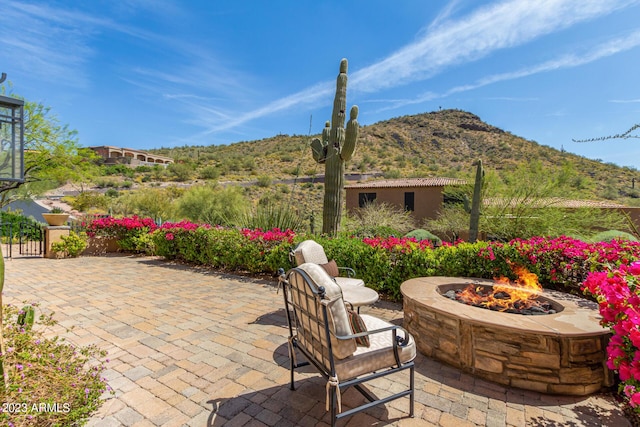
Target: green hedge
[(384, 263)]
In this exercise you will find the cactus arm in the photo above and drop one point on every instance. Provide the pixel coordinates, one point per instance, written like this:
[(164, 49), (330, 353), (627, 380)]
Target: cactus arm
[(351, 135), (340, 101), (317, 150), (319, 147), (474, 221)]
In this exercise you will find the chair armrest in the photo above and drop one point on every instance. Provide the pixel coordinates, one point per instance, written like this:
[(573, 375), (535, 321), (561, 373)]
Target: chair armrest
[(350, 271), (398, 340)]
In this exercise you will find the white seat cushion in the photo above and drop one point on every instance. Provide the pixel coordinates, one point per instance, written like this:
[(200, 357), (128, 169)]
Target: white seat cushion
[(349, 281), (379, 355)]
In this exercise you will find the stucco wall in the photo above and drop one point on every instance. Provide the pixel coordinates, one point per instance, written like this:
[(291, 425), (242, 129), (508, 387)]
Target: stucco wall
[(427, 200)]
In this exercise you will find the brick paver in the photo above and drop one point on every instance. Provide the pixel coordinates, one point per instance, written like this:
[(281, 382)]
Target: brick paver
[(193, 347)]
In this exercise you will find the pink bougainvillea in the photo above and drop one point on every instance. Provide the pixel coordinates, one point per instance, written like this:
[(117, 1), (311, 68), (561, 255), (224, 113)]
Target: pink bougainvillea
[(400, 244), (273, 235), (111, 226), (618, 296)]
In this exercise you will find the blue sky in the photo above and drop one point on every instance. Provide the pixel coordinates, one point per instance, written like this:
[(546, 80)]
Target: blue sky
[(161, 73)]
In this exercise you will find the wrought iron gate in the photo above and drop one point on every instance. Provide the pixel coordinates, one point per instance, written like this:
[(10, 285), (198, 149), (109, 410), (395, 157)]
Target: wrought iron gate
[(27, 237)]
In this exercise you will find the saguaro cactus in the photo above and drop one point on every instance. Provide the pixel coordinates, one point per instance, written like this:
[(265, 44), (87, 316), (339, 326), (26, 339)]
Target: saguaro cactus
[(335, 149), (475, 202)]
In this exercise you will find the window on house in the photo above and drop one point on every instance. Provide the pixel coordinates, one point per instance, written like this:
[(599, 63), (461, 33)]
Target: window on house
[(409, 198), (365, 199)]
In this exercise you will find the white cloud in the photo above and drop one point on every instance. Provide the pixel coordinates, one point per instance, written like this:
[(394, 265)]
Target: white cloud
[(446, 43), (503, 25), (603, 50)]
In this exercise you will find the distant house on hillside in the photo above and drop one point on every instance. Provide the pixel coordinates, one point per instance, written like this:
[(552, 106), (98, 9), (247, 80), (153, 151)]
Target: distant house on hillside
[(130, 157), (423, 197)]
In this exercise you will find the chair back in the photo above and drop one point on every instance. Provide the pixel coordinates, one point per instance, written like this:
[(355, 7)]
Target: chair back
[(319, 314), (310, 251)]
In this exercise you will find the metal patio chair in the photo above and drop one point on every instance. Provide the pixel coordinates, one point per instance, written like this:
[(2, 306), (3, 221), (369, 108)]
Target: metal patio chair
[(312, 251), (346, 348)]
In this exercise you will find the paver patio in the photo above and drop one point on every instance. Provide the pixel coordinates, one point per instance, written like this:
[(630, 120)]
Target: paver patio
[(192, 347)]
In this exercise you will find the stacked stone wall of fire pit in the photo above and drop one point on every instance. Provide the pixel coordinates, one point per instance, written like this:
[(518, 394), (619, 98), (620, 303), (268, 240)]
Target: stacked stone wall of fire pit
[(561, 353)]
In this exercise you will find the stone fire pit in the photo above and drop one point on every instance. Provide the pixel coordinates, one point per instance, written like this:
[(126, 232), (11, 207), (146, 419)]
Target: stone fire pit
[(561, 353)]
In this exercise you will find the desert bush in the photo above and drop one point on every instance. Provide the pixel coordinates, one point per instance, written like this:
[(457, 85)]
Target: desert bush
[(421, 234), (71, 245), (267, 216), (51, 382), (264, 181), (607, 236), (180, 171), (209, 172), (213, 205), (158, 203), (123, 170), (378, 219), (89, 200), (106, 183)]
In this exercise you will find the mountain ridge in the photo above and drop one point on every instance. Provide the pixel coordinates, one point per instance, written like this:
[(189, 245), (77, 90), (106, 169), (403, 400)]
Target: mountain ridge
[(437, 143)]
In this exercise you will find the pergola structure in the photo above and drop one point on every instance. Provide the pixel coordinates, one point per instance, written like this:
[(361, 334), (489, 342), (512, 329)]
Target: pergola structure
[(11, 138)]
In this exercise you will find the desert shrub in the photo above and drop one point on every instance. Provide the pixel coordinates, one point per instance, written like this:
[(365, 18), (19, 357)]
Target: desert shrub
[(391, 173), (264, 181), (213, 205), (89, 200), (180, 171), (158, 203), (378, 219), (123, 170), (267, 216), (71, 245), (209, 172), (421, 234), (607, 236), (106, 183), (46, 370)]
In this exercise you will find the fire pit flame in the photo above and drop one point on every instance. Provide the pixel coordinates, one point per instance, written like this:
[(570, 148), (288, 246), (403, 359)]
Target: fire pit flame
[(520, 296)]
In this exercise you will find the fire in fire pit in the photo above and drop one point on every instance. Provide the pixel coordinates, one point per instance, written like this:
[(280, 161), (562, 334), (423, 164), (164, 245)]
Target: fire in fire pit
[(519, 297)]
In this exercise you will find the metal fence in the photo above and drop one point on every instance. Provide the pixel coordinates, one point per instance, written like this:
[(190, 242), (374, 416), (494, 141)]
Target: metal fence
[(27, 237)]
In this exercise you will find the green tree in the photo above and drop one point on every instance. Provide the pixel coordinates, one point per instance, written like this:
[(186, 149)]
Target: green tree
[(52, 155), (180, 171), (213, 205), (157, 203)]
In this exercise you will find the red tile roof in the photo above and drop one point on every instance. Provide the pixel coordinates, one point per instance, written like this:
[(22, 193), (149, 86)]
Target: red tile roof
[(408, 182)]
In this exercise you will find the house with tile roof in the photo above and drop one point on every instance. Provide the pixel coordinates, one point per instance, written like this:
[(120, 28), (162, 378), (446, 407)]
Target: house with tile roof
[(423, 197), (130, 156)]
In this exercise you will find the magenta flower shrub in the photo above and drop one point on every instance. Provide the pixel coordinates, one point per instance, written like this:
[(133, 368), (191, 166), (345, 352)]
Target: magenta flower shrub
[(230, 249), (618, 296), (130, 231), (565, 263)]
